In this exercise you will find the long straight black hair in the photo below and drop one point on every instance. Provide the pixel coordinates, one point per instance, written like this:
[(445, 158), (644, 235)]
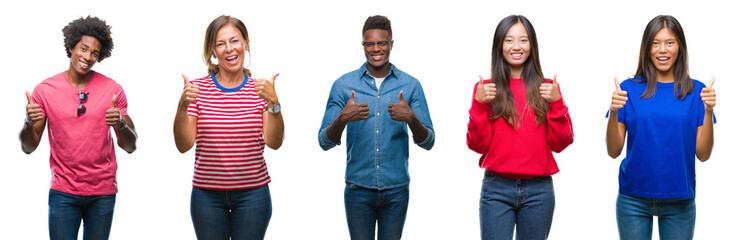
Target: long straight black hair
[(683, 84), (503, 105)]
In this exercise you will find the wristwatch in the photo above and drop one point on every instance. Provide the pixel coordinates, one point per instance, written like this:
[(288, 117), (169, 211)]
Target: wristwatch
[(274, 109), (122, 123)]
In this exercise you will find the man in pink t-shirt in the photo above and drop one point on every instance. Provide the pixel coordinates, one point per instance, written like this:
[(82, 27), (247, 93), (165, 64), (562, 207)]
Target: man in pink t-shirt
[(79, 106)]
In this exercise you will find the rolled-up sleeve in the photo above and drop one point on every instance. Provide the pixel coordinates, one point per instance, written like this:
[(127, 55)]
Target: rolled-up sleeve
[(333, 108)]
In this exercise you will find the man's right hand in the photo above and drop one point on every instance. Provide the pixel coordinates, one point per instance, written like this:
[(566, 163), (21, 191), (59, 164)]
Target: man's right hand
[(190, 92), (354, 111), (33, 111)]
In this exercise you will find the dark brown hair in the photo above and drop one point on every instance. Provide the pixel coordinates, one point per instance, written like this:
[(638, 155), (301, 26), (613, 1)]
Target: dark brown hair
[(89, 26), (503, 105), (646, 72), (212, 31)]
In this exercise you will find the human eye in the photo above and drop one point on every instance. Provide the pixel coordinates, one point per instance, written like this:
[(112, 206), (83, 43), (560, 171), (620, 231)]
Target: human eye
[(368, 44), (524, 40), (383, 43), (95, 54), (509, 40)]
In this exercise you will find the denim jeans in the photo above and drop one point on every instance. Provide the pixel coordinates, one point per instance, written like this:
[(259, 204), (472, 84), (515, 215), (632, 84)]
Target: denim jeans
[(676, 217), (527, 204), (66, 211), (236, 214), (365, 207)]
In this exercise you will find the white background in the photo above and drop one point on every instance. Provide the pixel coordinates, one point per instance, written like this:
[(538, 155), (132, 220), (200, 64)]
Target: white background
[(445, 44)]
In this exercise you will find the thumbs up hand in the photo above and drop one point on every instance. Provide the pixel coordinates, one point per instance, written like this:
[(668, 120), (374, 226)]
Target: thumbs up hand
[(190, 92), (620, 97), (266, 89), (400, 111), (113, 116), (33, 112), (485, 93), (708, 96), (550, 91), (353, 111)]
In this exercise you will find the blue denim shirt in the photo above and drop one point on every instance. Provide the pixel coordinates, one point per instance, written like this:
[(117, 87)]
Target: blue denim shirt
[(378, 147)]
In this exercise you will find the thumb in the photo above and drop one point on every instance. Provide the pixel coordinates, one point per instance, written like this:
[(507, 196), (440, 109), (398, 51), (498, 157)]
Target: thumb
[(274, 76), (28, 95), (114, 101), (480, 84), (185, 80), (401, 98), (617, 84), (711, 82), (353, 96), (554, 80)]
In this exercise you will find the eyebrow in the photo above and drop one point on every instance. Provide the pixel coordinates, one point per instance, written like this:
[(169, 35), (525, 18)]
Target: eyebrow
[(87, 46)]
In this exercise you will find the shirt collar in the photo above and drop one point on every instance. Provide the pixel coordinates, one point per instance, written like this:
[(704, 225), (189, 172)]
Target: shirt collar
[(365, 71)]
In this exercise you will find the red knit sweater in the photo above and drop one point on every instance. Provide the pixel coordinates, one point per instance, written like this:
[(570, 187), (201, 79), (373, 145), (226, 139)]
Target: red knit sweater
[(524, 152)]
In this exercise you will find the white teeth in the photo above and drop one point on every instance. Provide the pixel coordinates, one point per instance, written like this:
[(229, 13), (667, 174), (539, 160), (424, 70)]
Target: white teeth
[(231, 58), (662, 59)]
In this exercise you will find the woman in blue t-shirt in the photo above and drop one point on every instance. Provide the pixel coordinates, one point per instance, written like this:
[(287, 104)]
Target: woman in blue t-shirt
[(668, 118)]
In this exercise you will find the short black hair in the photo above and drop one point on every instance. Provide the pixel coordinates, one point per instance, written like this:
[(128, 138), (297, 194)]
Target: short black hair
[(89, 26), (377, 22)]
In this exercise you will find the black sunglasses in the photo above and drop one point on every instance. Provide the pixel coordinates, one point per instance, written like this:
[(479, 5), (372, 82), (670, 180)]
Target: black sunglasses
[(82, 99)]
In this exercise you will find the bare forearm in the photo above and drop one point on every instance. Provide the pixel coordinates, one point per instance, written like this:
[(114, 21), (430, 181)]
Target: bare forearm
[(419, 131), (127, 137), (613, 138), (705, 140), (275, 130), (28, 138), (184, 137), (335, 130)]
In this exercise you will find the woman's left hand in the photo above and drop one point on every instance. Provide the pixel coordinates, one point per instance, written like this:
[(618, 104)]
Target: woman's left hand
[(550, 91), (708, 96), (266, 89)]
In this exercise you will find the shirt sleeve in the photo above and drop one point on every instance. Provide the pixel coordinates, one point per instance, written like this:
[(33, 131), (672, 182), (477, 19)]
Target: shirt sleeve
[(559, 125), (480, 127), (418, 104), (336, 103), (121, 101)]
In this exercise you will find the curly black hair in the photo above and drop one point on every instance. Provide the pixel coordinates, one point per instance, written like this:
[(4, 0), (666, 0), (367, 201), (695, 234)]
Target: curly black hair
[(377, 22), (89, 26)]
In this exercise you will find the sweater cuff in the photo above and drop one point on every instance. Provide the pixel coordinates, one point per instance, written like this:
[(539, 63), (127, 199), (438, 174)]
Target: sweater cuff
[(557, 109)]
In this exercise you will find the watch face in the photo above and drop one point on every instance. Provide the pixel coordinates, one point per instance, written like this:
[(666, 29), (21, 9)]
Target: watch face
[(275, 108)]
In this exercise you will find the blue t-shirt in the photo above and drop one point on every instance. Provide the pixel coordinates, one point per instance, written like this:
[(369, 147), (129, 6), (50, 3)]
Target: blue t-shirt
[(661, 150)]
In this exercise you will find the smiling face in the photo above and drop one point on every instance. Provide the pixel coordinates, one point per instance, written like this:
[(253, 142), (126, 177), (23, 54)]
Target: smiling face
[(84, 55), (516, 47), (664, 51), (229, 48), (377, 53)]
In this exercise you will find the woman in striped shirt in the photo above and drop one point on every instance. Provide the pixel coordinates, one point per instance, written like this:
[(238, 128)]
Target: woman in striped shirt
[(230, 117)]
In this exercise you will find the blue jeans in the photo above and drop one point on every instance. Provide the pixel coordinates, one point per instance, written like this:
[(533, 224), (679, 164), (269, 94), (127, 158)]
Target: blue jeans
[(527, 204), (236, 214), (365, 207), (676, 217), (66, 211)]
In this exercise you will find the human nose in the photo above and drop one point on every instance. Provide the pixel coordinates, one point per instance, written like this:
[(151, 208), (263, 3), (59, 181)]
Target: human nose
[(229, 47), (663, 48)]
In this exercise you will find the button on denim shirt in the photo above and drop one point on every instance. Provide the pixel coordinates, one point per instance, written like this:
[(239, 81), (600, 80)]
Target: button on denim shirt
[(378, 147)]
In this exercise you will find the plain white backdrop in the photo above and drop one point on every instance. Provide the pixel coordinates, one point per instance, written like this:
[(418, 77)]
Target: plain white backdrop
[(444, 44)]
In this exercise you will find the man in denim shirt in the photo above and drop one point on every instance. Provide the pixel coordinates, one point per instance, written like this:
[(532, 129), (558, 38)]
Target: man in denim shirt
[(376, 102)]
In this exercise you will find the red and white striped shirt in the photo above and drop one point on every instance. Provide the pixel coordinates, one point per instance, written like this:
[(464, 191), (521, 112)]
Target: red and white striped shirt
[(229, 141)]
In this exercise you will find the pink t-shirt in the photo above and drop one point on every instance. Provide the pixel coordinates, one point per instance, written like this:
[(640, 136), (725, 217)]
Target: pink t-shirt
[(82, 149)]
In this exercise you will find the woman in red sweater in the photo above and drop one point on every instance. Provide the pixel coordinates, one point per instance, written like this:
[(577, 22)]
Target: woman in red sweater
[(517, 119)]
